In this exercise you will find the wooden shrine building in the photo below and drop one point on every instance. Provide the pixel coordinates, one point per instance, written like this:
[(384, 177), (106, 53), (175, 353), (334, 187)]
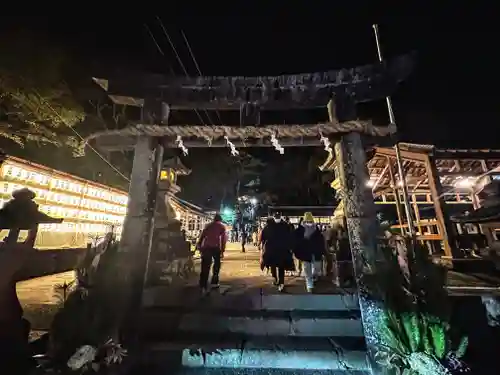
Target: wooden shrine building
[(441, 183)]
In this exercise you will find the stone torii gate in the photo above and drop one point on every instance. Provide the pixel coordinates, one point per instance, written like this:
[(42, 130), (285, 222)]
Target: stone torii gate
[(159, 95)]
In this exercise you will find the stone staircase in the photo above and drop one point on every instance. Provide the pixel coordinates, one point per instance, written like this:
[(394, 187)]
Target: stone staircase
[(242, 332)]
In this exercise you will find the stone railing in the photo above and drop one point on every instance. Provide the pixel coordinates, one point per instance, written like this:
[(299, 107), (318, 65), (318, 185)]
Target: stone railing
[(48, 262)]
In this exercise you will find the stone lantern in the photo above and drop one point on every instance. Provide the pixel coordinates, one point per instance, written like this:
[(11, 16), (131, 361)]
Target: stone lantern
[(20, 213), (167, 187), (171, 255)]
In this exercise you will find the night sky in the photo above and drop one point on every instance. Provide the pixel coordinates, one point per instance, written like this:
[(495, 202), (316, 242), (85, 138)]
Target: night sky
[(450, 100)]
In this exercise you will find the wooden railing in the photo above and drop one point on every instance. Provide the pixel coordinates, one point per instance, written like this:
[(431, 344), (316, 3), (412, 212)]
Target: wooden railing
[(427, 232)]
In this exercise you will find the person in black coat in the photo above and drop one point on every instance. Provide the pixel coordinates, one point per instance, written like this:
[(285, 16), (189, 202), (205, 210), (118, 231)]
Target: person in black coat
[(276, 250), (309, 247)]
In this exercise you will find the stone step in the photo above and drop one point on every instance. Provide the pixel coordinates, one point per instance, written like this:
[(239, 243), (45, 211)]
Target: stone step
[(271, 353), (255, 300), (253, 371), (264, 323), (162, 369), (233, 311)]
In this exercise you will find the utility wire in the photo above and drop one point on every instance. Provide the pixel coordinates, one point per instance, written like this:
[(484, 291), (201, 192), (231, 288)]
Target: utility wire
[(163, 54), (197, 66), (79, 136), (158, 47), (179, 59)]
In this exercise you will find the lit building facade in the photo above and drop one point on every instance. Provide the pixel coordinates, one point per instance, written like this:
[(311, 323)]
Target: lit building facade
[(193, 219), (89, 209)]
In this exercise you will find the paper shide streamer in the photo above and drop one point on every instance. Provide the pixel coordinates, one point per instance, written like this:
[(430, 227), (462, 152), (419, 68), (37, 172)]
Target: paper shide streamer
[(326, 143), (180, 144), (276, 144), (234, 151)]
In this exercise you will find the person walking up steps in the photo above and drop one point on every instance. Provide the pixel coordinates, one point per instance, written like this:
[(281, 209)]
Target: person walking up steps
[(244, 237), (276, 251), (212, 244), (309, 247)]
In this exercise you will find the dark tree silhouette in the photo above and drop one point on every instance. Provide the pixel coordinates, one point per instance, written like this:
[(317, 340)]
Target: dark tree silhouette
[(36, 103)]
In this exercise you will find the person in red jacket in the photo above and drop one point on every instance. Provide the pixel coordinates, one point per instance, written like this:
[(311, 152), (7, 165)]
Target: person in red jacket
[(212, 244)]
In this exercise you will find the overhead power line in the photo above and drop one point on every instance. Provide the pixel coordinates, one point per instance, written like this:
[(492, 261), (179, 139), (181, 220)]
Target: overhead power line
[(180, 60), (197, 66), (158, 47), (163, 54), (80, 137)]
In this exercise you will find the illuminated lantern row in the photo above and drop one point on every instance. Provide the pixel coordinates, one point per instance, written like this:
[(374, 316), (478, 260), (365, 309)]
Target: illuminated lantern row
[(86, 207)]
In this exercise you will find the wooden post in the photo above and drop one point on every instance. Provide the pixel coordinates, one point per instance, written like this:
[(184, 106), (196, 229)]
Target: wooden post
[(362, 226), (249, 114), (417, 214), (444, 223), (396, 195), (136, 239)]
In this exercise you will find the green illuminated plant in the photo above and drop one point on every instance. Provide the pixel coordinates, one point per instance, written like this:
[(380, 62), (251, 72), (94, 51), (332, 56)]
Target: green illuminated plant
[(415, 332)]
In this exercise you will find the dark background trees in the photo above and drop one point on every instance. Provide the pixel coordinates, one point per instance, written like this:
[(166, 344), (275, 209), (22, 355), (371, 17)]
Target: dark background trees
[(47, 103), (293, 178), (36, 102)]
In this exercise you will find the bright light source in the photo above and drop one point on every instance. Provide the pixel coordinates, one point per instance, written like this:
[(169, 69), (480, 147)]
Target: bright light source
[(398, 184), (227, 211), (464, 183), (370, 183), (254, 201)]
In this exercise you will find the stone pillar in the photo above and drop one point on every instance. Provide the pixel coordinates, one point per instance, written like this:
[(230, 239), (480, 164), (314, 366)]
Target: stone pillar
[(136, 239), (362, 226)]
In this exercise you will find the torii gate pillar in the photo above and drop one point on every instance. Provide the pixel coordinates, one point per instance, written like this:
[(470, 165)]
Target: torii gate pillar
[(362, 226), (137, 233)]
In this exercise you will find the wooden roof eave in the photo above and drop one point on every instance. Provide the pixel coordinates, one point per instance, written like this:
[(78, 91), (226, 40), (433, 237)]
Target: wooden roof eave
[(418, 156), (470, 154), (176, 164)]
